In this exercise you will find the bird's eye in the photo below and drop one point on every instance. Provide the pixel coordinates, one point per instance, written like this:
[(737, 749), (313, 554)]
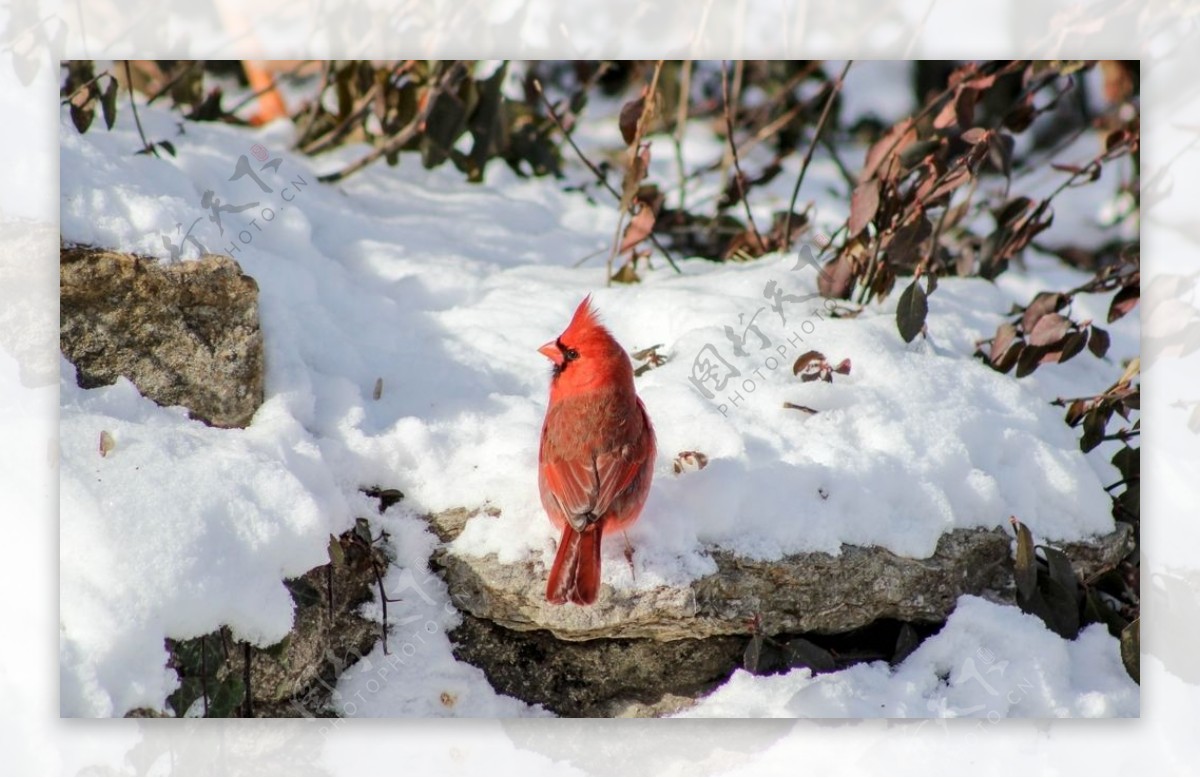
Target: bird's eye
[(569, 354)]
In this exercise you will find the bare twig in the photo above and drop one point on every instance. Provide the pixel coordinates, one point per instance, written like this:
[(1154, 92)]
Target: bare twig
[(737, 165), (586, 257), (847, 176), (833, 92), (84, 85), (727, 155), (304, 126), (937, 234), (407, 133), (147, 146), (537, 85), (769, 129), (681, 116), (629, 185), (274, 82), (864, 293), (188, 68), (756, 115), (321, 143), (330, 138)]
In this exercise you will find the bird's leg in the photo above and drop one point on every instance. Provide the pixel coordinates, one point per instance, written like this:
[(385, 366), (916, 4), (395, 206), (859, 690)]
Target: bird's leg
[(629, 554)]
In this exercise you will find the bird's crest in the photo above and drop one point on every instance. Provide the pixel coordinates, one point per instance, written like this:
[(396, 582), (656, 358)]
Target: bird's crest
[(585, 319)]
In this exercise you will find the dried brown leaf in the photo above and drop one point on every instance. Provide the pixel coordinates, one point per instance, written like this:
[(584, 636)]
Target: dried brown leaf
[(631, 114), (1043, 303), (640, 225), (805, 360), (1049, 329), (1099, 342), (864, 203), (1005, 335)]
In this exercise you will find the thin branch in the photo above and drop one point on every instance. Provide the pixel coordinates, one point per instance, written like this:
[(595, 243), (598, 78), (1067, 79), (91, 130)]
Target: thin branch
[(737, 165), (304, 126), (768, 130), (1122, 435), (585, 258), (537, 85), (681, 117), (147, 147), (847, 176), (401, 138), (937, 235), (83, 86), (274, 82), (321, 143), (727, 155), (162, 90), (330, 138), (930, 106), (629, 184), (762, 111), (833, 92), (864, 294), (1122, 482)]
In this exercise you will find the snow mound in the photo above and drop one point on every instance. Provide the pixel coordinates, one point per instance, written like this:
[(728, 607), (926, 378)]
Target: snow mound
[(989, 662)]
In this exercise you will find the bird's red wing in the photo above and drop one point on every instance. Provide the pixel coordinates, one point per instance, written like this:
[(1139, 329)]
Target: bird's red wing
[(584, 486), (616, 472), (569, 486)]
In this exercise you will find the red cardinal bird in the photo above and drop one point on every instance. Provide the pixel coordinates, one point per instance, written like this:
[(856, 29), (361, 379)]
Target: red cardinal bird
[(597, 454)]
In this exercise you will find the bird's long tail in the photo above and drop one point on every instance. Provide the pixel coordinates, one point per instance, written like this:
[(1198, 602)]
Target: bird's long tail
[(575, 575)]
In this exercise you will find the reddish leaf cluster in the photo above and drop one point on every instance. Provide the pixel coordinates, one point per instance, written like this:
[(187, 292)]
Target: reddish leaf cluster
[(1040, 334), (687, 461), (1094, 413), (81, 90), (812, 366), (649, 357), (914, 167)]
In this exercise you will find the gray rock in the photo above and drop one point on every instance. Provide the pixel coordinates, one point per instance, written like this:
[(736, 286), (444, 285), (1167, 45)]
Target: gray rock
[(597, 678), (295, 677), (185, 333), (799, 593)]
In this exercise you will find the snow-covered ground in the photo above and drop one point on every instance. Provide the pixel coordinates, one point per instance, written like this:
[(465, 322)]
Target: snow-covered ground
[(969, 669), (443, 290)]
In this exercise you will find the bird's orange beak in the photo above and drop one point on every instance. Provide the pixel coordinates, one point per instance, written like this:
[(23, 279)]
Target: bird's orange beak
[(552, 352)]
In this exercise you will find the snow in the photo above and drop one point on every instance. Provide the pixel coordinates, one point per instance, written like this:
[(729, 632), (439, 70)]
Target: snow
[(233, 515), (989, 662), (443, 291)]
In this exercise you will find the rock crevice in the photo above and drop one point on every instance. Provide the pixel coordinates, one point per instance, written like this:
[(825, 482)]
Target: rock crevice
[(653, 652), (798, 593)]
